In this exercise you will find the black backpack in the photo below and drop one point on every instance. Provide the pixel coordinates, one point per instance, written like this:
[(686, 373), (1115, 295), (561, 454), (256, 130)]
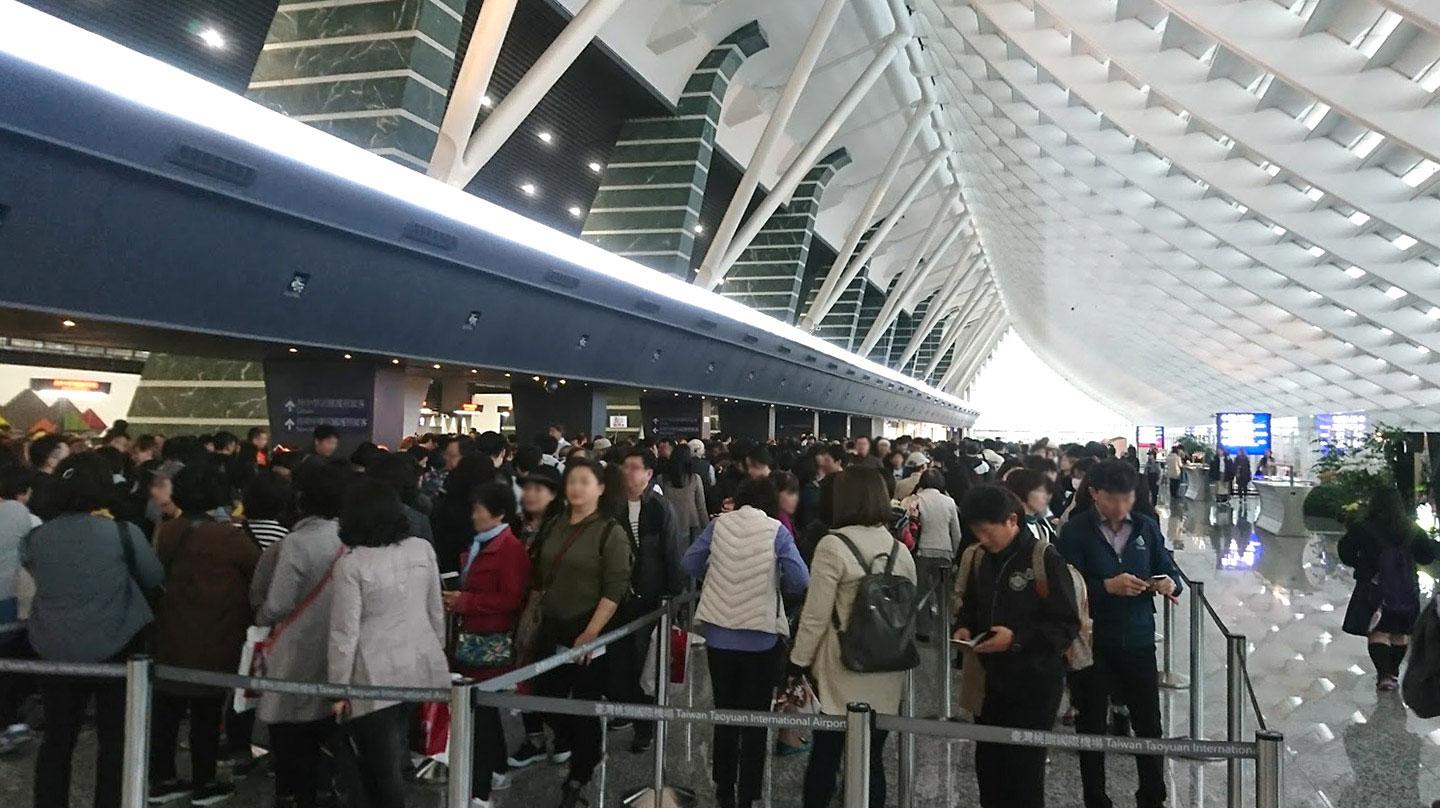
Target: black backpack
[(1421, 685), (880, 635)]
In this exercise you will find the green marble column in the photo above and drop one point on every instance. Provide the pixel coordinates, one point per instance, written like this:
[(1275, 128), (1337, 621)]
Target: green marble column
[(373, 72), (192, 395), (768, 274), (871, 301), (649, 199)]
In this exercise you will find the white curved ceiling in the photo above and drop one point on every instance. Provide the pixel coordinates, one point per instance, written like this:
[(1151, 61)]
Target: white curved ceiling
[(1187, 206)]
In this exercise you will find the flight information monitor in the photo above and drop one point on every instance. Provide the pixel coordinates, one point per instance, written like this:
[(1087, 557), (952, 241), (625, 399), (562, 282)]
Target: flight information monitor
[(1150, 437), (1243, 430)]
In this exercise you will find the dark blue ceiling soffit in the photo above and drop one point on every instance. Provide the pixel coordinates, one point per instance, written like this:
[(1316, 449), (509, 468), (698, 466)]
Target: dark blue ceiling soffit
[(117, 213)]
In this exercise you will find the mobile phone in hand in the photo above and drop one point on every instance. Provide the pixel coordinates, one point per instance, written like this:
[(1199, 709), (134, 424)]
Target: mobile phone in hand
[(449, 581), (973, 641)]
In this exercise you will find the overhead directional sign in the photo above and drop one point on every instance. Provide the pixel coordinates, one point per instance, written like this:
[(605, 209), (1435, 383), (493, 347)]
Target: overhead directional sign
[(303, 395)]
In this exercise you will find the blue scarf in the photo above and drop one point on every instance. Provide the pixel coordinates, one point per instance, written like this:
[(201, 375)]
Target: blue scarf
[(481, 539)]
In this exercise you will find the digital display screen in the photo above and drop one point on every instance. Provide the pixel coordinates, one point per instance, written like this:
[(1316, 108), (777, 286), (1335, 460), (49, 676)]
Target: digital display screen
[(1243, 430), (1150, 437), (1341, 430)]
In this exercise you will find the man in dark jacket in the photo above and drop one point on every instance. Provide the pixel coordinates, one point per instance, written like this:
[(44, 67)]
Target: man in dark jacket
[(1126, 565), (1030, 624), (656, 543)]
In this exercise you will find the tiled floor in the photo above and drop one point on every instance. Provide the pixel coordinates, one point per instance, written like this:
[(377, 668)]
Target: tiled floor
[(1347, 746)]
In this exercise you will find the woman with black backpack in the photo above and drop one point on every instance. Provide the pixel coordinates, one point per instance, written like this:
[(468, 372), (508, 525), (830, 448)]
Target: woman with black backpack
[(1385, 549), (859, 543)]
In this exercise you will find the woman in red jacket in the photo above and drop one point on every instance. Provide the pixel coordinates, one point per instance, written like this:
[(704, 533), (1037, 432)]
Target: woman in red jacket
[(494, 579)]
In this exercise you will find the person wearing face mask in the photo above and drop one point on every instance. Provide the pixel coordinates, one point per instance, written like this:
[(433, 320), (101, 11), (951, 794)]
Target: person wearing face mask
[(1018, 600), (1078, 500), (1122, 555)]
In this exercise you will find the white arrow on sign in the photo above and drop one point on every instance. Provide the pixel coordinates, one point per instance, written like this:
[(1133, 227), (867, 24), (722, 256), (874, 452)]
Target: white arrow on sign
[(290, 424), (290, 406)]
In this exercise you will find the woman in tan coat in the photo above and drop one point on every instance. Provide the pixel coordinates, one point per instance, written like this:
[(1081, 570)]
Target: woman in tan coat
[(862, 509)]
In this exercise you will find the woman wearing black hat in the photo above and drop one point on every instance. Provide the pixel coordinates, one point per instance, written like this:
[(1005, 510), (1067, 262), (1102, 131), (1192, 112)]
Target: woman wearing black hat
[(539, 502)]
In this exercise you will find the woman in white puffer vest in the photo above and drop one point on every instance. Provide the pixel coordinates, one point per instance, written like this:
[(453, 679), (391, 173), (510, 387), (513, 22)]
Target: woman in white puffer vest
[(748, 560)]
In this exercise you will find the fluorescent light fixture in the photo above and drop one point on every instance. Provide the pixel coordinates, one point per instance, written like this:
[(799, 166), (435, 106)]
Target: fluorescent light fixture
[(546, 136), (596, 167), (574, 210), (53, 44), (528, 188), (212, 38), (1355, 272)]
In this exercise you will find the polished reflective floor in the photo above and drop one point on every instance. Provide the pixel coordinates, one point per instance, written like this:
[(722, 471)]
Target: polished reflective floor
[(1347, 745)]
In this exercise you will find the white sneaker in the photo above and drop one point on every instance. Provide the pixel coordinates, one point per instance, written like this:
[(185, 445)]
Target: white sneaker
[(499, 782), (476, 802)]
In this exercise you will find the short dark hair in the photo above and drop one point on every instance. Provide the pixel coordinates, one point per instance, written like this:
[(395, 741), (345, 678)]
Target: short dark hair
[(527, 458), (365, 454), (759, 494), (16, 480), (759, 456), (401, 471), (322, 488), (144, 443), (224, 440), (549, 444), (644, 454), (990, 505), (255, 432), (1022, 481), (325, 432), (201, 487), (785, 482), (490, 443), (1041, 464), (498, 498), (931, 478), (85, 483), (835, 450), (268, 496), (371, 515), (584, 463), (860, 498), (42, 447), (1113, 476)]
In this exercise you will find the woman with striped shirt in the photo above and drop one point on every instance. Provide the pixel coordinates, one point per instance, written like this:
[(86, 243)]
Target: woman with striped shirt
[(267, 503)]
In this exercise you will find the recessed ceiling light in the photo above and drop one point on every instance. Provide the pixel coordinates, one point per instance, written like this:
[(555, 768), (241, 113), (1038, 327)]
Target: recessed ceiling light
[(473, 370), (67, 323), (699, 228), (528, 188), (394, 361), (436, 366), (294, 350), (486, 101), (563, 381), (507, 375), (576, 211), (536, 378), (546, 136), (347, 356), (212, 38), (595, 167)]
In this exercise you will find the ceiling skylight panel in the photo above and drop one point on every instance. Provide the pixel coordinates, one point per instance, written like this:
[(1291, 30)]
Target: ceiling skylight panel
[(1370, 42)]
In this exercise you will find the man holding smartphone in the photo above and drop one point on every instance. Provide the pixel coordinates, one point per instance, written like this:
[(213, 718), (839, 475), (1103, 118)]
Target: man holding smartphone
[(1126, 567), (1016, 616)]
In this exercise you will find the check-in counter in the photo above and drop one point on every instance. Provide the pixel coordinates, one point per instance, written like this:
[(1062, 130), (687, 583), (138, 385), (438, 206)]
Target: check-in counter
[(1282, 506)]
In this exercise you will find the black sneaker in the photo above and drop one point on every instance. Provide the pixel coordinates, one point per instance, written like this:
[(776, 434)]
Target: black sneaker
[(527, 754), (559, 754), (644, 738), (212, 793), (161, 793)]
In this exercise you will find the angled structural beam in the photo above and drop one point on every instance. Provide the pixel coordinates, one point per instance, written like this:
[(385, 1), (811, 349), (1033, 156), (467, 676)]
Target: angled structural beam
[(915, 269), (770, 139), (517, 105), (981, 294), (835, 282), (471, 84), (961, 372), (808, 156), (831, 290), (983, 357), (985, 322), (949, 297)]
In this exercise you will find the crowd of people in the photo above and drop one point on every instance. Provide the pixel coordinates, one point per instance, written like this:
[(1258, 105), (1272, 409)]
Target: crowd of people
[(474, 554)]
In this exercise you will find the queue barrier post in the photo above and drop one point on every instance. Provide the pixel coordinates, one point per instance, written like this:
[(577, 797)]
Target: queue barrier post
[(907, 745), (1197, 661), (942, 603), (1234, 714), (1269, 768), (1169, 679), (659, 794), (461, 756), (139, 693), (858, 720)]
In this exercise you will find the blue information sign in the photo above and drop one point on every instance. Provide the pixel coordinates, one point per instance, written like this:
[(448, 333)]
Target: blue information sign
[(1243, 430)]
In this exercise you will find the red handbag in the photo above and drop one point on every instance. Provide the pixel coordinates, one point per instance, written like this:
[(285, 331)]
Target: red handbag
[(679, 644), (434, 728)]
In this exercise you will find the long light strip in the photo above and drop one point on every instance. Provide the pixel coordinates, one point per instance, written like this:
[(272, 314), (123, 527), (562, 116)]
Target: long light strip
[(57, 45)]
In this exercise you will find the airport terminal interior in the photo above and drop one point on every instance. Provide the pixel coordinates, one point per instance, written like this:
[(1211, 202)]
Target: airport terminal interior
[(995, 403)]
